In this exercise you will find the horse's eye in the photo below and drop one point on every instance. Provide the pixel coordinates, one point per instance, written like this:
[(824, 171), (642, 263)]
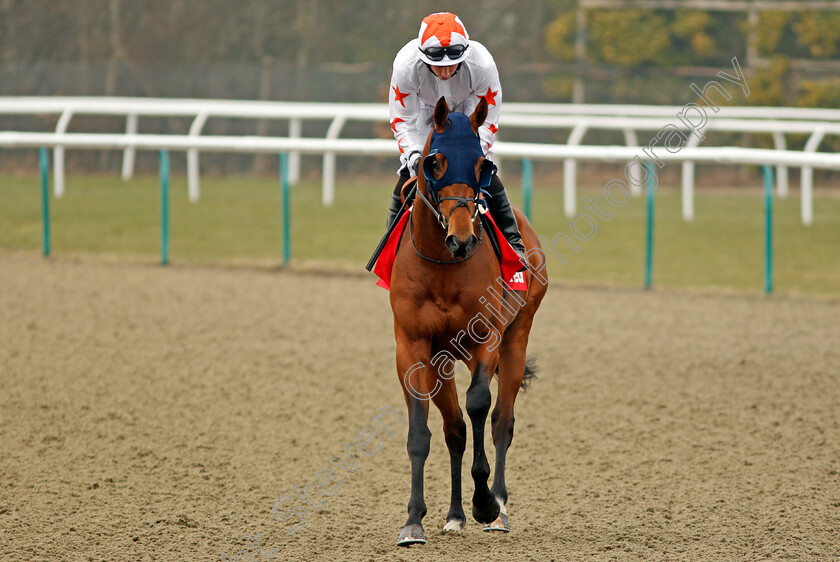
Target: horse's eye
[(436, 166)]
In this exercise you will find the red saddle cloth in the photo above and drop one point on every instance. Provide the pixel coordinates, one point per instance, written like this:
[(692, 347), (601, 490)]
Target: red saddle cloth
[(509, 262)]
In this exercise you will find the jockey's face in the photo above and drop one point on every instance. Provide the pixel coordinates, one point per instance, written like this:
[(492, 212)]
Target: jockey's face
[(444, 72)]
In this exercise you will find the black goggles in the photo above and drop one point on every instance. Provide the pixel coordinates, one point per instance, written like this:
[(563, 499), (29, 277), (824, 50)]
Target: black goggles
[(437, 53)]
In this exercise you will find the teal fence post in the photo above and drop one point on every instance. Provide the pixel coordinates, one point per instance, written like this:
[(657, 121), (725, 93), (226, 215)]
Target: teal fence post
[(284, 183), (651, 204), (768, 229), (527, 184), (164, 207), (45, 197)]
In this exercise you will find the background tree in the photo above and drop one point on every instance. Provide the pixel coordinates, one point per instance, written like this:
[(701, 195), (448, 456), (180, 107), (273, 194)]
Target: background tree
[(219, 48)]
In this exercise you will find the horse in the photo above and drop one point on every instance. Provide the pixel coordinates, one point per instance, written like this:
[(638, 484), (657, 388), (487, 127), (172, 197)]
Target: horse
[(443, 272)]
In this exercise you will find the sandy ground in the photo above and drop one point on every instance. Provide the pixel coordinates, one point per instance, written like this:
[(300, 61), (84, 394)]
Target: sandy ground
[(152, 413)]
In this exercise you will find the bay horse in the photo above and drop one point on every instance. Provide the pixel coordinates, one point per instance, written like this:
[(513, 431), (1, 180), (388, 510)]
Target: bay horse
[(443, 269)]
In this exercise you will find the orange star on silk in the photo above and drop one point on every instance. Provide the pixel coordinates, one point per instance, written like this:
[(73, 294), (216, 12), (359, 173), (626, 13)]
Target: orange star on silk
[(490, 96), (394, 123), (442, 26), (399, 96), (493, 129)]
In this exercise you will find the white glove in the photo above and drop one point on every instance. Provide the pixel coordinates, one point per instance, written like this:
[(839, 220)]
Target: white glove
[(414, 162)]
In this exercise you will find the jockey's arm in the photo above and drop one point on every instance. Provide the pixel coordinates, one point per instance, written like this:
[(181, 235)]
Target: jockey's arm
[(404, 108), (489, 87)]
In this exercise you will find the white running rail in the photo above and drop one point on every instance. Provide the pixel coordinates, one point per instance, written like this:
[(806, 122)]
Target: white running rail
[(631, 120)]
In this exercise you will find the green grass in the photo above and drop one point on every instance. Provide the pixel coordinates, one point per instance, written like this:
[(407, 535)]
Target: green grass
[(239, 218), (722, 247)]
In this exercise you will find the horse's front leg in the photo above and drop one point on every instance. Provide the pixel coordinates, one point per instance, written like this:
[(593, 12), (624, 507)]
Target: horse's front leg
[(485, 509), (415, 376), (455, 432)]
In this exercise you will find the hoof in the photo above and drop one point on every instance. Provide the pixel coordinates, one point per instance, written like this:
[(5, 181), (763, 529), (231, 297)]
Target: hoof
[(501, 524), (454, 526), (412, 534), (487, 512)]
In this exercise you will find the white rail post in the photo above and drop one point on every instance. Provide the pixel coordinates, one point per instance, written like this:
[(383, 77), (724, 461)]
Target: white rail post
[(688, 183), (295, 130), (328, 190), (193, 173), (807, 188), (781, 171), (129, 152), (631, 139), (58, 153), (570, 171)]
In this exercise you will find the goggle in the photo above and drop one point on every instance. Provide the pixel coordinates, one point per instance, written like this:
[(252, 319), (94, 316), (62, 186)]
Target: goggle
[(437, 53)]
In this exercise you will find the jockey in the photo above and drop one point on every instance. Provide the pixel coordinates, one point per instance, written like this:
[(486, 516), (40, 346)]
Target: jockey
[(443, 61)]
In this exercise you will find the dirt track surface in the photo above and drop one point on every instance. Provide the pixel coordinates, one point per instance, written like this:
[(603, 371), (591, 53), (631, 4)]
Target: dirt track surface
[(152, 413)]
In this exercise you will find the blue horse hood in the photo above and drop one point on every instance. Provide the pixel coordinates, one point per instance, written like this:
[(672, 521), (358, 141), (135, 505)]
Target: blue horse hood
[(461, 147)]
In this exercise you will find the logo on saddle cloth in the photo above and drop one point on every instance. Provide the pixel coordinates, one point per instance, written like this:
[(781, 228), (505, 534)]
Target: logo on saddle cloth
[(461, 147)]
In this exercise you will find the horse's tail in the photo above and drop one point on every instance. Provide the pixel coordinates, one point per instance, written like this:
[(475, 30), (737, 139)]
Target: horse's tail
[(530, 372)]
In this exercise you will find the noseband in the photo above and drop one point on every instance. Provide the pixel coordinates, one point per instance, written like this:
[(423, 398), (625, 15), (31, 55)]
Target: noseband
[(443, 220)]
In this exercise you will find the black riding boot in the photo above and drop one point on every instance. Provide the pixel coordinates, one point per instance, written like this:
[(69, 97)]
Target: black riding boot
[(396, 198), (503, 214), (396, 204)]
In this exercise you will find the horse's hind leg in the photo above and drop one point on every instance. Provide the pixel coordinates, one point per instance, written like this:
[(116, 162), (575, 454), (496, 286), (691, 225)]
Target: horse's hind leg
[(455, 432), (484, 506), (511, 372)]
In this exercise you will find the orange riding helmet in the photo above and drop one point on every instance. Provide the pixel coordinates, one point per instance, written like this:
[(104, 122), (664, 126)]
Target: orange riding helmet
[(443, 39)]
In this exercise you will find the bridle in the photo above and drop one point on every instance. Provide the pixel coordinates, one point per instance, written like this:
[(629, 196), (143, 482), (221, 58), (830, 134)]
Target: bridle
[(434, 205), (443, 220), (462, 202), (462, 147)]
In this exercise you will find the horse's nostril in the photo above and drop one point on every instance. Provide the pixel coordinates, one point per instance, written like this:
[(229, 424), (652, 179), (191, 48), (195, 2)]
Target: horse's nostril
[(452, 243), (471, 242)]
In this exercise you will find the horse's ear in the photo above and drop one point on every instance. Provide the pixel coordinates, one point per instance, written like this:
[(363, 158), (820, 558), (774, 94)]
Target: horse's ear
[(441, 114), (479, 115)]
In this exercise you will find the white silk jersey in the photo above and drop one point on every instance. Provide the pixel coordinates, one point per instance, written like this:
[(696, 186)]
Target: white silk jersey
[(415, 91)]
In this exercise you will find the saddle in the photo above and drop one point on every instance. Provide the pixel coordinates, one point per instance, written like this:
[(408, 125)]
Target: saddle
[(407, 191)]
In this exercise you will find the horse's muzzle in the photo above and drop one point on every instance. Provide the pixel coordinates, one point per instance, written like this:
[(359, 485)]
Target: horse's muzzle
[(460, 248)]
